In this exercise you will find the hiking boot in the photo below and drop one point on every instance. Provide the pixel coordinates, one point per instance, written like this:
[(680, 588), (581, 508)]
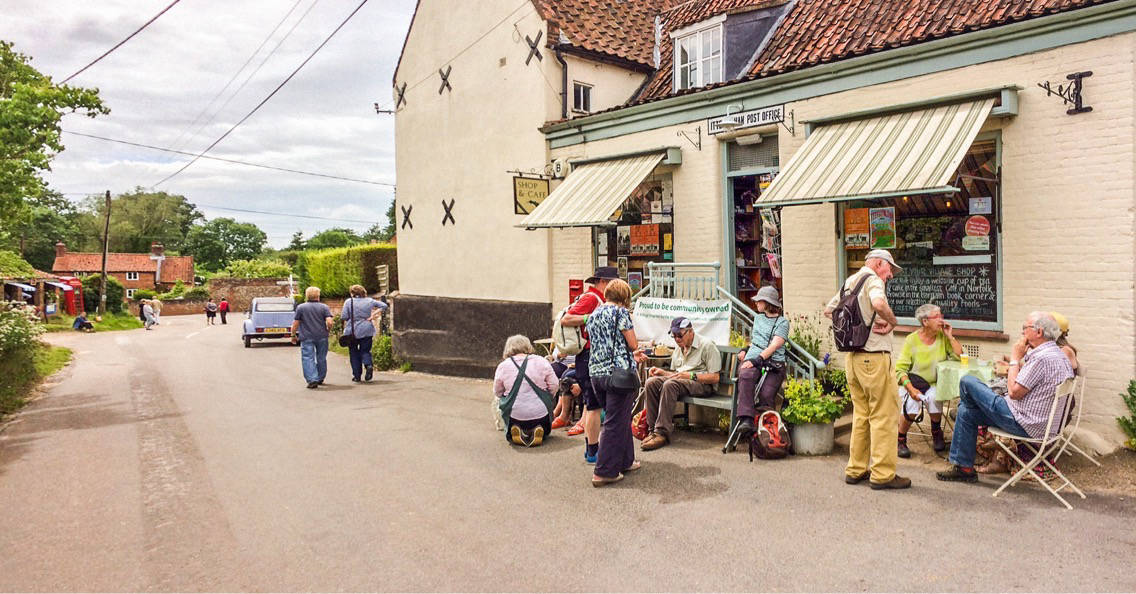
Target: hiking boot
[(897, 482), (937, 441), (537, 437), (745, 426), (515, 435), (313, 385), (902, 450), (370, 374), (654, 442), (856, 480), (957, 475)]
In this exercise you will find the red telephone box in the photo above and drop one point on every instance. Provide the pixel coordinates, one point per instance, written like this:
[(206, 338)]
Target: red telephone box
[(575, 289), (73, 299)]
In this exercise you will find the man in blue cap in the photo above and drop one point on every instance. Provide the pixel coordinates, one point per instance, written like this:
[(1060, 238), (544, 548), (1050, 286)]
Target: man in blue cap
[(695, 368)]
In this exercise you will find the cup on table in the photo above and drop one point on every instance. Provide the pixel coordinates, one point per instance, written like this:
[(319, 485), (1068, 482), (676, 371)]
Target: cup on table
[(964, 360)]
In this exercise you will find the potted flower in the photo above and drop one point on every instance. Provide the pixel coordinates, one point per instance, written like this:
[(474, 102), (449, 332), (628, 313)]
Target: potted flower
[(811, 414)]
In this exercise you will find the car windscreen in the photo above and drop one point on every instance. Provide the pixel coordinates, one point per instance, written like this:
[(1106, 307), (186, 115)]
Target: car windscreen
[(275, 307)]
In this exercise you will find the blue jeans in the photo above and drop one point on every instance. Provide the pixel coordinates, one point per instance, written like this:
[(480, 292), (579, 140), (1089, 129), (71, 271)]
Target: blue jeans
[(313, 359), (360, 354), (978, 405)]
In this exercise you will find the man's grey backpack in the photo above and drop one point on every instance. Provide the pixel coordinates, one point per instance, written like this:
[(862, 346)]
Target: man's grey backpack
[(569, 340), (849, 331)]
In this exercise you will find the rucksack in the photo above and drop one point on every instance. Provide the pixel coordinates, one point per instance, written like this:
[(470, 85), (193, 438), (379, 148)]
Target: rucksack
[(569, 340), (639, 425), (770, 440), (849, 331)]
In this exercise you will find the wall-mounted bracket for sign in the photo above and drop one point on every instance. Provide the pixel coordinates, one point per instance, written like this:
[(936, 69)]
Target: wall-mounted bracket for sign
[(406, 216), (1070, 94), (792, 127), (534, 48), (445, 80), (380, 110), (401, 96), (697, 141), (449, 216)]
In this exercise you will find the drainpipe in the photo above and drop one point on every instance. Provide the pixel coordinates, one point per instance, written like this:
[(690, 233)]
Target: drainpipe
[(563, 83)]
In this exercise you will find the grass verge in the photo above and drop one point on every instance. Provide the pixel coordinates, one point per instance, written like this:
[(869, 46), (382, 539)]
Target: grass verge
[(19, 372), (111, 322)]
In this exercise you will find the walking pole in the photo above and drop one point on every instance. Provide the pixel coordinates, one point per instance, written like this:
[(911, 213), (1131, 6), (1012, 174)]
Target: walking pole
[(731, 441)]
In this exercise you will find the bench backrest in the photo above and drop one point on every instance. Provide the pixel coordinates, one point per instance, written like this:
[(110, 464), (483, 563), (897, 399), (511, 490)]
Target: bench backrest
[(727, 379)]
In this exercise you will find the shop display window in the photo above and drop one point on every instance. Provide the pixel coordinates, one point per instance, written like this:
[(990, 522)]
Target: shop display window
[(948, 244), (643, 231)]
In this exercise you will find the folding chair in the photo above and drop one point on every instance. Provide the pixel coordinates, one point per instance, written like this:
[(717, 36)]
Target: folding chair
[(1050, 443), (1075, 422)]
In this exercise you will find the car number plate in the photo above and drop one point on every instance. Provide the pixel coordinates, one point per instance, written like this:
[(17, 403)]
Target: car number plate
[(275, 330)]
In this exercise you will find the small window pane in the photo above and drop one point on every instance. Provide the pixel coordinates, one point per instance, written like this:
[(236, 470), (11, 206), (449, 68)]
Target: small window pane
[(277, 307), (712, 72)]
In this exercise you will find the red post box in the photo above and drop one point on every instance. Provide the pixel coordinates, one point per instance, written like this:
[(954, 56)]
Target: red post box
[(575, 289)]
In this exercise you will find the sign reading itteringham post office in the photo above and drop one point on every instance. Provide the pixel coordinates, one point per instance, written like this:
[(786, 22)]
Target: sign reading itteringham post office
[(748, 119)]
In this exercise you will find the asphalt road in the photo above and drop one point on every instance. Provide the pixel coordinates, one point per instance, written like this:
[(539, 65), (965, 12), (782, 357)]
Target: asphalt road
[(177, 460)]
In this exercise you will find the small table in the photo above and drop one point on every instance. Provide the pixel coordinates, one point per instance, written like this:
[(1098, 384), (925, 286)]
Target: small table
[(546, 344), (950, 373)]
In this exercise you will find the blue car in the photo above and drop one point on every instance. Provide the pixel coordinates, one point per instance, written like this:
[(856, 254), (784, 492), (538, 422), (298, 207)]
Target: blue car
[(269, 317)]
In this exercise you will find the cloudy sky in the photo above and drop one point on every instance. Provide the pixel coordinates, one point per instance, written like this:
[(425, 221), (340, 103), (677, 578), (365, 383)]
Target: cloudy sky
[(164, 88)]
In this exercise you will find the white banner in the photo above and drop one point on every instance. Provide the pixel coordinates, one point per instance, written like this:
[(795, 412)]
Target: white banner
[(653, 315)]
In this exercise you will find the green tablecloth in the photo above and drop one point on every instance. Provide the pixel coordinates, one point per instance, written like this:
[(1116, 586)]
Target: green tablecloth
[(950, 373)]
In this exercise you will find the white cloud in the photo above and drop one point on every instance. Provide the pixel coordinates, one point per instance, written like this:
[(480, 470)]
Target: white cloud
[(156, 84)]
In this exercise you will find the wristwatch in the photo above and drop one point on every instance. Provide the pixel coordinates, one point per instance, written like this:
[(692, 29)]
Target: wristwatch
[(693, 376), (1014, 362)]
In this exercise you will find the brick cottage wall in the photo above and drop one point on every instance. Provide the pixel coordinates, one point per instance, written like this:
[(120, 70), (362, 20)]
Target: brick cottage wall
[(241, 291), (180, 307)]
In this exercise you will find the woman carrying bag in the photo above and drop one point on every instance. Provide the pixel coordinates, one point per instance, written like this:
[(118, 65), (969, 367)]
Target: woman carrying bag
[(615, 381), (359, 332)]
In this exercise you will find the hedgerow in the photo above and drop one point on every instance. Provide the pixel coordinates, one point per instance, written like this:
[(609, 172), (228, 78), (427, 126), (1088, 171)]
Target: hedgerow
[(335, 270)]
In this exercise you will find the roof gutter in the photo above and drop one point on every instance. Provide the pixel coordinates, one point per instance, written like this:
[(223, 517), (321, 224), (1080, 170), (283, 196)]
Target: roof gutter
[(563, 82)]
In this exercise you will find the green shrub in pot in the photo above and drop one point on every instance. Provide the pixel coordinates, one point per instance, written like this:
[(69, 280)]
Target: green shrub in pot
[(806, 402)]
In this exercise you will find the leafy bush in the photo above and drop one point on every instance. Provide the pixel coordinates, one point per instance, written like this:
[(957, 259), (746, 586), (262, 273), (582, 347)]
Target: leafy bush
[(335, 270), (13, 266), (115, 293), (23, 368), (201, 293), (810, 332), (257, 269), (807, 403), (20, 328), (376, 254), (382, 352), (1128, 424), (140, 294), (405, 367), (177, 291), (835, 382)]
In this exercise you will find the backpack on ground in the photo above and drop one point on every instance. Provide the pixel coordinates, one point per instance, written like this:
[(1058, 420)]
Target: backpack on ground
[(770, 440), (849, 331), (569, 340)]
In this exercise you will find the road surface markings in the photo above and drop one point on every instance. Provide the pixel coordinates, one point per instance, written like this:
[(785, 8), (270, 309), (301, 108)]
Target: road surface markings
[(192, 334)]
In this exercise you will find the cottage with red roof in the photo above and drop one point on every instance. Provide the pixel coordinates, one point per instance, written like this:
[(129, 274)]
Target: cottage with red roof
[(154, 271), (988, 144)]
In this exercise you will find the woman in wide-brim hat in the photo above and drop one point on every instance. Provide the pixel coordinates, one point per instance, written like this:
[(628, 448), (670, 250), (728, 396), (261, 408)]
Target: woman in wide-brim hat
[(766, 354)]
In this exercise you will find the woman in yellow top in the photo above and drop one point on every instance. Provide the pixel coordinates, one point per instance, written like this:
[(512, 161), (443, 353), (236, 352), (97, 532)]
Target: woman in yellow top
[(922, 352)]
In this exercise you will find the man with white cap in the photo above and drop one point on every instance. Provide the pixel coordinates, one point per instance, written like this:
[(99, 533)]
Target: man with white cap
[(871, 379)]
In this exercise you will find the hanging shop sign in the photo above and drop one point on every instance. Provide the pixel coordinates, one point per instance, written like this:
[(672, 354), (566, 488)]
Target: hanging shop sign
[(528, 193), (748, 119), (857, 232)]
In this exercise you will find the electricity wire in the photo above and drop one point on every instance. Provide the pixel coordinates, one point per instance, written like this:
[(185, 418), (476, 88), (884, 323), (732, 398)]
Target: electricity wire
[(251, 211), (119, 44), (233, 78), (246, 163), (266, 99)]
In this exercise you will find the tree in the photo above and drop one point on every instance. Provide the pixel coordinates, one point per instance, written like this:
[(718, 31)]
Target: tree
[(382, 232), (138, 219), (31, 107), (220, 241), (297, 242), (46, 219), (333, 238)]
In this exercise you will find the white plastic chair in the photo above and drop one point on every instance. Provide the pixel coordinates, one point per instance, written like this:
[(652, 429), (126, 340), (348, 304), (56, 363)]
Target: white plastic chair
[(1052, 442)]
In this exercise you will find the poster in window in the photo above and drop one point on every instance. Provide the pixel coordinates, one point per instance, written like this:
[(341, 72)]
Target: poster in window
[(882, 222), (645, 240), (856, 229), (667, 241), (635, 280), (528, 193), (774, 264), (982, 205), (623, 240)]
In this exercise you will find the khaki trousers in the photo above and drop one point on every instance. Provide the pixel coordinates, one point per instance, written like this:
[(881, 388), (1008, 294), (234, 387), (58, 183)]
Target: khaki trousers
[(875, 415), (662, 395)]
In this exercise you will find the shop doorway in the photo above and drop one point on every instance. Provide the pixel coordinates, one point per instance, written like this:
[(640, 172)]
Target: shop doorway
[(753, 235)]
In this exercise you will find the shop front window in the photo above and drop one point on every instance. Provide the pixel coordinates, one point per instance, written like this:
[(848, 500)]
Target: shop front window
[(643, 231), (947, 244)]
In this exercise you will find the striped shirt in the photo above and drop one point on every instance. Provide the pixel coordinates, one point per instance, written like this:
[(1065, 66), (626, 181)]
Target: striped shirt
[(1043, 369)]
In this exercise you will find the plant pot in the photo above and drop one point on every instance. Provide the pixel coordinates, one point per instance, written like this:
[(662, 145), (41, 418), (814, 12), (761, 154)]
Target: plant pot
[(812, 439)]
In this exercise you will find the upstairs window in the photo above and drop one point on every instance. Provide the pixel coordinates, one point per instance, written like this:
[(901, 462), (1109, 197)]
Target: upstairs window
[(698, 58), (131, 276), (581, 98)]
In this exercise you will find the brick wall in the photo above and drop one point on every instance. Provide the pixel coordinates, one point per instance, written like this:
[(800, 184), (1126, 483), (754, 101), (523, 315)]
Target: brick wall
[(241, 291), (179, 307)]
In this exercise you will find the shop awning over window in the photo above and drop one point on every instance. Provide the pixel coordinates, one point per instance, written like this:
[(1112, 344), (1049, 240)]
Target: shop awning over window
[(912, 152), (21, 286), (61, 286), (592, 192)]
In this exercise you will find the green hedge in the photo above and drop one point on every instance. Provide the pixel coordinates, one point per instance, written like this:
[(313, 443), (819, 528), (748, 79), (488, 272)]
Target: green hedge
[(115, 293), (13, 266), (335, 270)]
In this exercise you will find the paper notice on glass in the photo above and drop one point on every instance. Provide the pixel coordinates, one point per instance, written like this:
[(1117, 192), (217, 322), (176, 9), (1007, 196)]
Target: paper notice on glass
[(601, 261), (856, 229), (667, 241), (982, 205), (976, 243)]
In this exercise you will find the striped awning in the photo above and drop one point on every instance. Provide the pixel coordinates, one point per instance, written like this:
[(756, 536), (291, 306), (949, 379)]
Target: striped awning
[(911, 152), (592, 192)]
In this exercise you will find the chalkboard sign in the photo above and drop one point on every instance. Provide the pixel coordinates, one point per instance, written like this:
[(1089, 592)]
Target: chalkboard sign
[(962, 291)]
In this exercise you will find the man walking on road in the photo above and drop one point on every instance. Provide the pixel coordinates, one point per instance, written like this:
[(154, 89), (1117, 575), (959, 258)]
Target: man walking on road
[(871, 380), (310, 328), (223, 307)]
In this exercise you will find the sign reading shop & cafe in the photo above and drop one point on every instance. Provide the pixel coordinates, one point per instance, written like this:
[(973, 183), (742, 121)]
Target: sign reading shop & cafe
[(528, 193), (748, 119)]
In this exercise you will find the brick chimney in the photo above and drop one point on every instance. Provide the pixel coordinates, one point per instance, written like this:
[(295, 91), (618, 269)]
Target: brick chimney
[(60, 249), (157, 249)]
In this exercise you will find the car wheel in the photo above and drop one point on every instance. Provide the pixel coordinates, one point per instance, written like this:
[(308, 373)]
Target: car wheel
[(248, 342)]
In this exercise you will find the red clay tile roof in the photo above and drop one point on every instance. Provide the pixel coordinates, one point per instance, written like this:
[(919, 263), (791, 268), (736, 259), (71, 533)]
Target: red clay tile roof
[(620, 28), (822, 31), (173, 267)]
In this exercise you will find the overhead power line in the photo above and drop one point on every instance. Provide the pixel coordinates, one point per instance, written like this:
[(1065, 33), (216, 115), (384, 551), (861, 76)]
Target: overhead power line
[(246, 163), (266, 99), (119, 44), (282, 214)]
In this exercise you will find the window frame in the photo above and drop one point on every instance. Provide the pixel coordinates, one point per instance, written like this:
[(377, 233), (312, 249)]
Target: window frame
[(577, 86), (697, 35), (131, 276), (130, 293), (999, 324)]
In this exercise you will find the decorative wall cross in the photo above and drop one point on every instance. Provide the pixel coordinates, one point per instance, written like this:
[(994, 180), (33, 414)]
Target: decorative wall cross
[(445, 80), (449, 212), (1071, 93), (406, 216), (534, 48), (401, 96)]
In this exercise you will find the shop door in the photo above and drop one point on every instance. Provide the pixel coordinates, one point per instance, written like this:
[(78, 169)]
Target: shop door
[(754, 240)]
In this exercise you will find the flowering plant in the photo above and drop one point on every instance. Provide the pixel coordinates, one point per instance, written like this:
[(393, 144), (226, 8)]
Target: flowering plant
[(19, 327)]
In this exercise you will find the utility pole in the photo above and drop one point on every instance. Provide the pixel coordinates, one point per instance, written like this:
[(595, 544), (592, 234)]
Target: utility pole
[(106, 246)]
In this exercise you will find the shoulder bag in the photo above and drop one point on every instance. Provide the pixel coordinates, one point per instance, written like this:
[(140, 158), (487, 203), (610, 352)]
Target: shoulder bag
[(348, 340)]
